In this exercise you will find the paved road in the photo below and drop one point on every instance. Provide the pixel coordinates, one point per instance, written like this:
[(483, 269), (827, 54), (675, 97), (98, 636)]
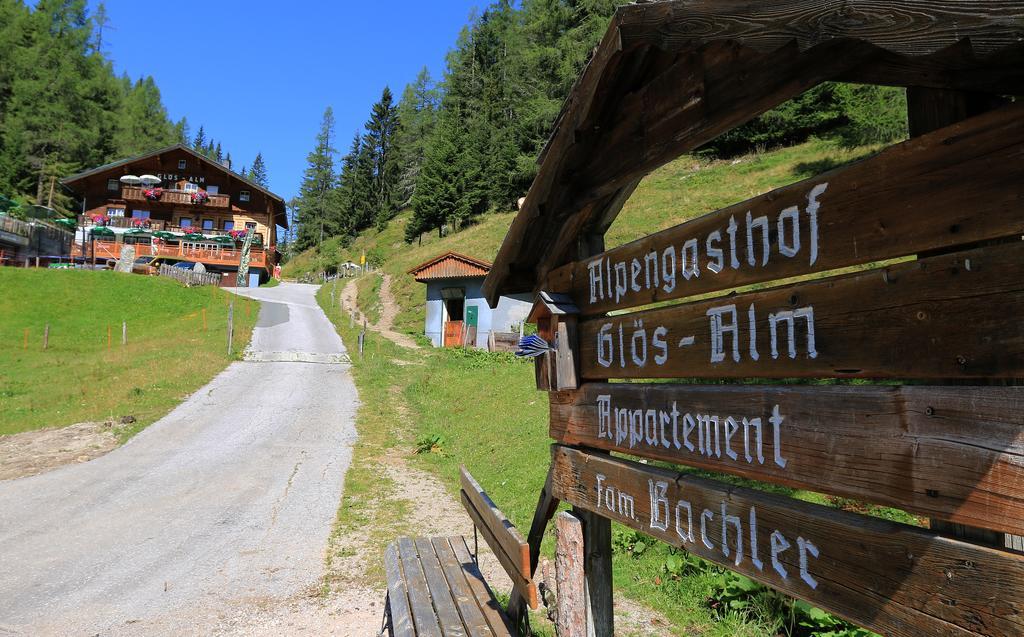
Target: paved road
[(225, 502)]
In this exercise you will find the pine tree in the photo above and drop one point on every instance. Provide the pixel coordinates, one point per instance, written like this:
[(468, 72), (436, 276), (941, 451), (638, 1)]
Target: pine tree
[(417, 117), (380, 139), (182, 131), (199, 143), (218, 153), (316, 199), (142, 124), (258, 173)]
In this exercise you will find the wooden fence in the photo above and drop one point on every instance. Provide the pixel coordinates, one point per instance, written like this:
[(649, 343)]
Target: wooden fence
[(190, 278)]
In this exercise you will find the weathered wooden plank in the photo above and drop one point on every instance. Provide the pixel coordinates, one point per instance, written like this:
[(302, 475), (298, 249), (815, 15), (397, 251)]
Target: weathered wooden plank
[(461, 593), (400, 613), (945, 316), (489, 606), (511, 540), (423, 615), (955, 453), (512, 565), (920, 195), (440, 593), (892, 578), (907, 27)]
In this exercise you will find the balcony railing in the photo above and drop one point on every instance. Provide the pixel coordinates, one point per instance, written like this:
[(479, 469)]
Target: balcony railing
[(176, 197), (205, 253), (156, 224)]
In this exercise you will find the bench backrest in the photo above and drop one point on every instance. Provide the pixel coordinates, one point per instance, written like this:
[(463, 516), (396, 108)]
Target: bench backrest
[(501, 535)]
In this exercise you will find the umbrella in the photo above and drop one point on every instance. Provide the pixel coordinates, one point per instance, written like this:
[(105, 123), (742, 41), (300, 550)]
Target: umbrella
[(101, 231), (163, 234), (67, 223), (138, 231), (149, 180), (194, 236), (131, 180), (221, 239)]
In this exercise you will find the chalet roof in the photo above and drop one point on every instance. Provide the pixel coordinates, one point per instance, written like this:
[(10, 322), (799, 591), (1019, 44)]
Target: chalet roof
[(450, 265), (70, 180), (671, 76)]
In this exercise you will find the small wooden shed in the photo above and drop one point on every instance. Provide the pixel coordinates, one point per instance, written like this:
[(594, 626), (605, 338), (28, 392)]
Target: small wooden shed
[(456, 313)]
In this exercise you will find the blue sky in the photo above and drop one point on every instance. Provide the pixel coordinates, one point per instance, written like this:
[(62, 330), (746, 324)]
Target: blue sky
[(258, 75)]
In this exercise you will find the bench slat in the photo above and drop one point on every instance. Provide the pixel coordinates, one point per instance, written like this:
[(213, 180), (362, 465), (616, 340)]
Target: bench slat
[(523, 584), (419, 598), (512, 541), (489, 606), (444, 606), (465, 601), (398, 599)]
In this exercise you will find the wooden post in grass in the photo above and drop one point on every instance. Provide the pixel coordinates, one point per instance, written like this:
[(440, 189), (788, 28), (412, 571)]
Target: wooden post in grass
[(124, 333), (231, 326), (46, 337), (362, 337), (571, 605)]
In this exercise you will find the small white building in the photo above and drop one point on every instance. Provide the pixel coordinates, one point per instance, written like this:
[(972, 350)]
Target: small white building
[(456, 312)]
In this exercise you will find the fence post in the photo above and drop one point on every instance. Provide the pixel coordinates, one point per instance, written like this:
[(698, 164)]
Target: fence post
[(124, 333), (362, 338), (571, 604), (46, 337), (231, 326)]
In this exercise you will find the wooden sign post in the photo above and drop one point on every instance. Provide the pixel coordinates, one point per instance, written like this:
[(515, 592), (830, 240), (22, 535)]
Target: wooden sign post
[(904, 271)]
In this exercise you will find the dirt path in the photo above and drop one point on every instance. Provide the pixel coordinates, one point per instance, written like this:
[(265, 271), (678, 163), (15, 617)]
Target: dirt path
[(34, 452), (388, 312)]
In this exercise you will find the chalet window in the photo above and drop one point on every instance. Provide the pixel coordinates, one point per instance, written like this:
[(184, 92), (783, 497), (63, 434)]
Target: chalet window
[(243, 195), (185, 222), (250, 225), (229, 225), (115, 212), (191, 187), (113, 185), (181, 164), (213, 190), (208, 224), (139, 214)]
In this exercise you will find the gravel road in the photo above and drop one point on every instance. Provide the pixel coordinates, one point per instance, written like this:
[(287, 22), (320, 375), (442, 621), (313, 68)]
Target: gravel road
[(224, 504)]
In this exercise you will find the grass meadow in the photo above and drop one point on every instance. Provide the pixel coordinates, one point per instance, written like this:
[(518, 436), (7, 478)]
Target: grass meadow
[(177, 342)]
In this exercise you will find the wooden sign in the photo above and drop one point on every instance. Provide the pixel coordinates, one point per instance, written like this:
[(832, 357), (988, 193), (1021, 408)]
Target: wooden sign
[(943, 317), (953, 453), (955, 186), (892, 578)]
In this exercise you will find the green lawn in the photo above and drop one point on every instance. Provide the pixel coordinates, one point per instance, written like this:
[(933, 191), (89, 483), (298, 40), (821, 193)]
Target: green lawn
[(79, 378)]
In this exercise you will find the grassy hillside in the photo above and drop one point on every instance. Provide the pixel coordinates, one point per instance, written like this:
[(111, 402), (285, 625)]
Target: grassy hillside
[(78, 378), (684, 189)]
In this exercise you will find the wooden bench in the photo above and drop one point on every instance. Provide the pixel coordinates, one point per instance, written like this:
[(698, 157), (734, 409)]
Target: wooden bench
[(435, 586)]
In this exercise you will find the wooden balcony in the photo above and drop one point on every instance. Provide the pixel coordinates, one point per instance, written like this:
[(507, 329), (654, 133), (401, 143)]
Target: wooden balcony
[(175, 197), (85, 221), (205, 253)]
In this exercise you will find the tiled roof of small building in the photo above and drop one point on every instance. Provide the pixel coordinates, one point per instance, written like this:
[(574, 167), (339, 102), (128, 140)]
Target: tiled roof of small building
[(450, 265)]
